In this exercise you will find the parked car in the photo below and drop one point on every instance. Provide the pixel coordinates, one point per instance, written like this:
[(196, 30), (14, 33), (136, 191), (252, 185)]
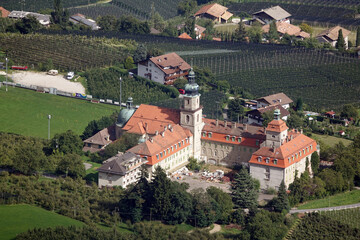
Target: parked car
[(181, 91), (53, 72), (70, 75)]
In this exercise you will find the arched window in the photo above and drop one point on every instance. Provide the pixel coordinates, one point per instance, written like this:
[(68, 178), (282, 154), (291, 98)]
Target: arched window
[(187, 118)]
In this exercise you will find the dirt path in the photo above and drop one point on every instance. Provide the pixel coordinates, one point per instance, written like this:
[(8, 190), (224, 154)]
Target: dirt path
[(44, 80), (92, 4), (217, 228)]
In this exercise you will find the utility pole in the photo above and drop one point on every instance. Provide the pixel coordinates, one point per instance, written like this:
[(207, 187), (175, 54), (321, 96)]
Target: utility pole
[(49, 117), (6, 60), (120, 92)]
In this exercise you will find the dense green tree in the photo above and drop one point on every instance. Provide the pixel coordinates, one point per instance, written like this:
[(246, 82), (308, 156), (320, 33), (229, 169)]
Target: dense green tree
[(72, 165), (157, 22), (205, 209), (288, 39), (193, 164), (59, 15), (267, 116), (295, 120), (315, 161), (235, 109), (189, 27), (107, 22), (306, 28), (95, 126), (129, 63), (334, 180), (140, 53), (224, 202), (340, 43), (27, 25), (273, 33), (181, 203), (130, 24), (180, 83), (170, 31), (67, 142), (243, 192), (154, 52), (299, 104), (185, 7), (240, 32), (29, 158), (281, 202), (349, 111), (357, 37)]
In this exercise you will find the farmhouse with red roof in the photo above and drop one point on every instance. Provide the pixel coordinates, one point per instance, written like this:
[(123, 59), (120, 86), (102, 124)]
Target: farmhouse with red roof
[(215, 12)]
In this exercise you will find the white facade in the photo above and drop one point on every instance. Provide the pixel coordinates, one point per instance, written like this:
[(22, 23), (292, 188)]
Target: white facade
[(111, 179), (150, 71)]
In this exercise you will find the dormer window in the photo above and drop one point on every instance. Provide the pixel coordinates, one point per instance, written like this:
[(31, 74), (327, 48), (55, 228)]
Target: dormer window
[(157, 156), (259, 159), (239, 139), (310, 147), (204, 134), (164, 152), (161, 155), (209, 134), (267, 160), (233, 139), (179, 144), (172, 148), (289, 159), (227, 138), (275, 161)]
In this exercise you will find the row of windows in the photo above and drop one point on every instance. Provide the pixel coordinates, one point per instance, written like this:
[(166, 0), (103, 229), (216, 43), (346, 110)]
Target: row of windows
[(267, 160), (171, 149), (304, 151)]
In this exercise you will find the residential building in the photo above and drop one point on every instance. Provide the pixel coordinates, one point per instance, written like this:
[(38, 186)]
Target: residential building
[(120, 170), (331, 36), (100, 140), (283, 156), (199, 30), (287, 28), (266, 16), (215, 12), (275, 99), (164, 69), (42, 18), (4, 13), (256, 116), (184, 35)]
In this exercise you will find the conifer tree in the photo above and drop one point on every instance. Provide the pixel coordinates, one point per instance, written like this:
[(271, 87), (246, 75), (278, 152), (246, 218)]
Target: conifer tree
[(240, 32), (244, 193), (358, 36), (340, 44), (273, 33), (281, 202), (315, 160)]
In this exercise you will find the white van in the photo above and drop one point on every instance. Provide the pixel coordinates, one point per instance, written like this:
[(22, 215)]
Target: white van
[(70, 75), (53, 72)]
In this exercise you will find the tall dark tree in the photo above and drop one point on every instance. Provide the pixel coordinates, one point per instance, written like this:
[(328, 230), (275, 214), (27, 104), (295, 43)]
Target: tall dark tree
[(315, 161), (140, 53), (240, 32), (224, 202), (273, 33), (71, 164), (349, 111), (67, 142), (358, 36), (205, 209), (340, 43), (107, 22), (27, 25), (29, 158), (236, 110), (244, 193), (189, 27), (299, 104), (59, 15), (185, 7), (281, 202)]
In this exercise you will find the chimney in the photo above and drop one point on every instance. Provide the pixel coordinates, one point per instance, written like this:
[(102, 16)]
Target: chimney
[(245, 127), (151, 139), (225, 123), (301, 131), (156, 133), (234, 125), (169, 126), (217, 122)]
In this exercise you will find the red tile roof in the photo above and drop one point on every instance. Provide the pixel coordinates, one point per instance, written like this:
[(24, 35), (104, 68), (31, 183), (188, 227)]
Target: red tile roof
[(170, 63), (277, 126), (278, 98), (215, 10), (184, 36), (162, 142), (333, 33), (295, 150), (260, 111), (4, 13), (284, 27), (149, 119)]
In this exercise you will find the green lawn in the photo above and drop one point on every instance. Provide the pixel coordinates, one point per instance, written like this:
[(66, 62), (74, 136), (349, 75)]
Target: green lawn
[(25, 112), (15, 219), (330, 140), (333, 201)]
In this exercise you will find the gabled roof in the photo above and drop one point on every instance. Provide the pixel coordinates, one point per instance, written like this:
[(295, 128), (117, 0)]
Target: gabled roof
[(277, 126), (215, 10), (162, 141), (103, 137), (278, 98), (4, 13), (333, 33), (149, 119), (297, 143), (121, 163), (170, 63), (260, 111), (184, 35), (284, 27), (276, 13)]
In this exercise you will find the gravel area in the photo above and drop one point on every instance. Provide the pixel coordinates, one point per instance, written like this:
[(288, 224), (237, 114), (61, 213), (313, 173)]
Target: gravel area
[(45, 80)]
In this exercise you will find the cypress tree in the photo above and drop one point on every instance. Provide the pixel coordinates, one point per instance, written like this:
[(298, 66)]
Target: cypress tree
[(273, 33), (281, 202), (315, 160), (340, 44), (358, 36), (244, 193), (240, 32)]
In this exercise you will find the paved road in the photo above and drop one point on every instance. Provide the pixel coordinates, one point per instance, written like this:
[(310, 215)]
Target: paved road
[(356, 205)]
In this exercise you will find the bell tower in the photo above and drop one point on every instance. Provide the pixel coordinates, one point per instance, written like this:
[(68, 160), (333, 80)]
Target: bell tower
[(191, 113)]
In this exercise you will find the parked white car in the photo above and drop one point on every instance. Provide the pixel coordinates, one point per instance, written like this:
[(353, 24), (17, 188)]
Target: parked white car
[(70, 75)]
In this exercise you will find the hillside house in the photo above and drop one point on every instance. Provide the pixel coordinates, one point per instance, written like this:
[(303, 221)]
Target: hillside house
[(256, 116), (120, 170), (184, 35), (285, 27), (4, 13), (283, 155), (164, 69), (266, 16), (331, 35), (100, 140), (275, 99), (215, 12), (199, 30), (81, 19), (42, 18)]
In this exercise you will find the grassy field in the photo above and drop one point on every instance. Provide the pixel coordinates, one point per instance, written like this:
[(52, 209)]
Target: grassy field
[(25, 112), (333, 201), (15, 219), (330, 140)]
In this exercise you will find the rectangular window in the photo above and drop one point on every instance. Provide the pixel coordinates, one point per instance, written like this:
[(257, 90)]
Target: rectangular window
[(257, 142), (204, 134), (275, 161), (267, 160), (209, 135), (233, 139), (179, 144), (157, 156), (161, 155), (227, 138), (239, 139)]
